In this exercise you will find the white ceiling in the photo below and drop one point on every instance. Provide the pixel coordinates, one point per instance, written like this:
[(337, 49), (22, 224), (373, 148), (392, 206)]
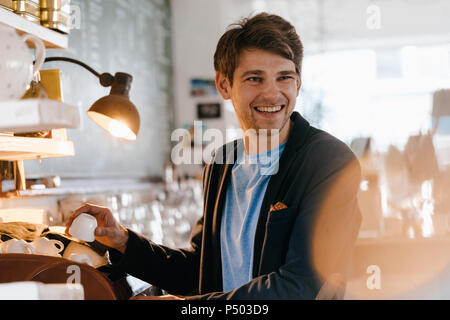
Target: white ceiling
[(330, 24)]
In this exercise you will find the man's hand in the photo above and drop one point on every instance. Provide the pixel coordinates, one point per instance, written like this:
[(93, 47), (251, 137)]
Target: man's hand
[(109, 231), (165, 297)]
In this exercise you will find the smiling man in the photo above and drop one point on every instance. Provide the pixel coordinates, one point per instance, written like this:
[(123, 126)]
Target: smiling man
[(258, 67), (285, 232), (263, 92)]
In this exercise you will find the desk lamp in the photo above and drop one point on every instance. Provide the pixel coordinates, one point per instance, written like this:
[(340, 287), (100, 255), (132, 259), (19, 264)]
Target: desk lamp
[(115, 112)]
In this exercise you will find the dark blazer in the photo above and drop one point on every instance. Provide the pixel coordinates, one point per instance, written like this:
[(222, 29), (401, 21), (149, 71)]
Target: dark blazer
[(296, 248)]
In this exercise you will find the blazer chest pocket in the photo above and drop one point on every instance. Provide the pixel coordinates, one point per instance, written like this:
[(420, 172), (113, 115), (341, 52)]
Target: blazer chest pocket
[(276, 240), (282, 214)]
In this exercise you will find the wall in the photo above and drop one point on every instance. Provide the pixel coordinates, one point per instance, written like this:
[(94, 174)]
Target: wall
[(117, 36), (196, 27)]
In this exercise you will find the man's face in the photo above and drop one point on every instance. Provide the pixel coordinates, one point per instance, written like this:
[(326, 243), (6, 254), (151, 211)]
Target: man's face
[(265, 87)]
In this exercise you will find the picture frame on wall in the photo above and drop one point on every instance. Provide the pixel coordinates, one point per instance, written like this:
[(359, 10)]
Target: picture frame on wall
[(209, 110), (203, 87)]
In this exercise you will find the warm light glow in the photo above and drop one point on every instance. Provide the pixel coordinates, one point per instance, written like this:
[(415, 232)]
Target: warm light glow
[(403, 265), (116, 128), (120, 130)]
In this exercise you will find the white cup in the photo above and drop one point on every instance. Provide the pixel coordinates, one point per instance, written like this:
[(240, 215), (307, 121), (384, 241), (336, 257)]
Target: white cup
[(74, 248), (60, 291), (19, 290), (16, 64), (33, 290), (17, 246), (80, 258), (83, 227), (48, 247)]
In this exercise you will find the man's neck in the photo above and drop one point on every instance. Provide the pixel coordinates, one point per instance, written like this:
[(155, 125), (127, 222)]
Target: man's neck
[(265, 140)]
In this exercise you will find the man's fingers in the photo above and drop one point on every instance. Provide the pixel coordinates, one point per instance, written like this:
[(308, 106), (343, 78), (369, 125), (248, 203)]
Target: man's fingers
[(105, 232), (85, 208), (91, 209), (115, 237), (99, 232)]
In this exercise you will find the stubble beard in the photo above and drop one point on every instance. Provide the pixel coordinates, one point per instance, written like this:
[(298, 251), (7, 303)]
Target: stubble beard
[(265, 138), (270, 131)]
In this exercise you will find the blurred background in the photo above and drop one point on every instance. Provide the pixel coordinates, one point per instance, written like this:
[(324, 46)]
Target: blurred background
[(376, 74)]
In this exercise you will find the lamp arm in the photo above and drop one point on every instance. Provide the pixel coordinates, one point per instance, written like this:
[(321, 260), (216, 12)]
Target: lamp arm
[(106, 79)]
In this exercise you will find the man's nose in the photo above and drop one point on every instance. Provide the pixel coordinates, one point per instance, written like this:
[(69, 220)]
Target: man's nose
[(271, 89)]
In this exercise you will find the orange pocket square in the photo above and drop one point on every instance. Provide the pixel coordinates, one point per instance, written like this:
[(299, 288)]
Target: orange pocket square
[(277, 206)]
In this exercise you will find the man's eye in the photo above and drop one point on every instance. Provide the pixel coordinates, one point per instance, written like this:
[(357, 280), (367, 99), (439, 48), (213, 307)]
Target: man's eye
[(254, 79), (286, 77)]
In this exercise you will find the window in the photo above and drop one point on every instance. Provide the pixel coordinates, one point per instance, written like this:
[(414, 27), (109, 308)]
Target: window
[(385, 94)]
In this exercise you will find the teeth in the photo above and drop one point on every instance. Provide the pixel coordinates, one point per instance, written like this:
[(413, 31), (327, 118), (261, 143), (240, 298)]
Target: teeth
[(268, 109)]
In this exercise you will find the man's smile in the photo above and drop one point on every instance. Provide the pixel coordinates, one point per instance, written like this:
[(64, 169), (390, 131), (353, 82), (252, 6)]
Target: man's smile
[(268, 111), (269, 108)]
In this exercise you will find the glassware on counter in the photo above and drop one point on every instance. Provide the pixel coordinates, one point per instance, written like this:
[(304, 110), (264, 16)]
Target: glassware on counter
[(164, 215)]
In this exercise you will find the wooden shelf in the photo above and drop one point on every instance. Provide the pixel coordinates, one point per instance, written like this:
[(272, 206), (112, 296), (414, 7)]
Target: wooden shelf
[(20, 148), (52, 39), (31, 115)]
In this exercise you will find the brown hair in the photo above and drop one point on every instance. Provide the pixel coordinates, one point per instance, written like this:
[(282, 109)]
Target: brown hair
[(263, 31)]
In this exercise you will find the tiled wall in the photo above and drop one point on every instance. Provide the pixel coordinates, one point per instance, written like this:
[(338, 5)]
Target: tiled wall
[(130, 36)]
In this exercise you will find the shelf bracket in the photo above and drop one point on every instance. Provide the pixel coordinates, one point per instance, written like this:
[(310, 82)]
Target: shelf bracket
[(19, 175)]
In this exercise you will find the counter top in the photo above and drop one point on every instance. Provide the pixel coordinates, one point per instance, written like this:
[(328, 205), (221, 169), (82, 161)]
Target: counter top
[(88, 186), (390, 241)]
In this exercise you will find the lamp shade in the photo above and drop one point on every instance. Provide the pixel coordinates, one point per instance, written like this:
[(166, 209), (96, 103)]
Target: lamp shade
[(116, 113)]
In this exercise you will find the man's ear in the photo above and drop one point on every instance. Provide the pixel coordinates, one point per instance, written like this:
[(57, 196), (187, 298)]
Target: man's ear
[(299, 85), (223, 86)]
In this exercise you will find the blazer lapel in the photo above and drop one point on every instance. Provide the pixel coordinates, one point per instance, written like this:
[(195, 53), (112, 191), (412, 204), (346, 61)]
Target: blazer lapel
[(225, 175), (296, 139)]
